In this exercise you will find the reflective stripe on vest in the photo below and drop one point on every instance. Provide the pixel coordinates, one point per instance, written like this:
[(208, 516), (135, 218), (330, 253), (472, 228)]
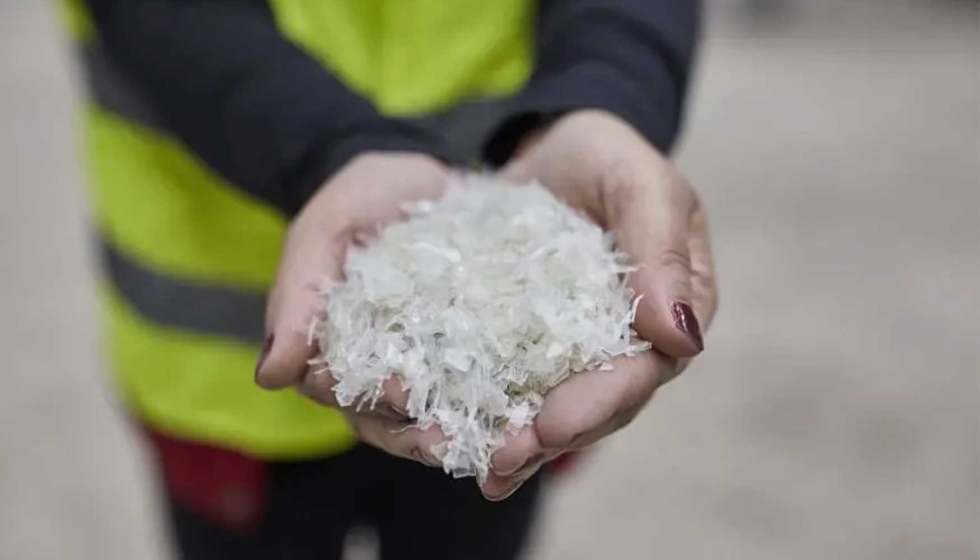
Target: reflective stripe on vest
[(174, 302), (189, 257)]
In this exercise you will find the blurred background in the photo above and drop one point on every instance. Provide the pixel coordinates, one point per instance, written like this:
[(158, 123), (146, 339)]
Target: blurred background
[(836, 413)]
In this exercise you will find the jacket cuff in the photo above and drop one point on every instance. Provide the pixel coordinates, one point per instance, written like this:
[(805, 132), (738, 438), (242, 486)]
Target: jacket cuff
[(588, 85), (327, 159)]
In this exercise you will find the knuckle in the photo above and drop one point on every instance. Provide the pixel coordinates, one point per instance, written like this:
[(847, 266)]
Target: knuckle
[(675, 259), (557, 434), (638, 388), (618, 178), (617, 190), (625, 417)]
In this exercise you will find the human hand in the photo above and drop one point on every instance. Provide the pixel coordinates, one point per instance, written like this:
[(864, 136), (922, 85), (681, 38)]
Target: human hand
[(368, 191), (599, 164)]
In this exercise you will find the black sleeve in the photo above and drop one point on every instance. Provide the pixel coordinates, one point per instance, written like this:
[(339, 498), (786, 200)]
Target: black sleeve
[(629, 57), (256, 108)]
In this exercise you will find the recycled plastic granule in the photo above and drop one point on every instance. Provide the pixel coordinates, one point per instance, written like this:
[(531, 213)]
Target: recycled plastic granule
[(480, 303)]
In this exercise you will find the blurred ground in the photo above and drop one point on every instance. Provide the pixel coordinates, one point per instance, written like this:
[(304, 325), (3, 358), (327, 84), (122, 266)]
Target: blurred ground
[(836, 412)]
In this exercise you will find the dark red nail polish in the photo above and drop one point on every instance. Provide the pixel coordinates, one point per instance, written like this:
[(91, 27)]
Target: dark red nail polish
[(687, 323), (264, 353)]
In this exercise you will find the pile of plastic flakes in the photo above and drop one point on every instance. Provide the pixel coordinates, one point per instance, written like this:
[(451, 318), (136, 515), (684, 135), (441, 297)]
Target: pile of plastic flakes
[(480, 303)]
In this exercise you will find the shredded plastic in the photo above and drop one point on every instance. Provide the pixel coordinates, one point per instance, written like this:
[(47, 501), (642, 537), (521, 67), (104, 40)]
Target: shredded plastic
[(480, 303)]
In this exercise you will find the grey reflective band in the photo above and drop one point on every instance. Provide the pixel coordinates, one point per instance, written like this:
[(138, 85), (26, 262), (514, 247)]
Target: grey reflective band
[(464, 128), (223, 310), (185, 304)]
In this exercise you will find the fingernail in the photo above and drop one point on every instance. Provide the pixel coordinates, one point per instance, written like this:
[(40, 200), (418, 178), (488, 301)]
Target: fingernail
[(264, 353), (508, 472), (401, 410), (528, 461), (391, 412), (501, 497), (425, 458), (510, 491), (687, 323)]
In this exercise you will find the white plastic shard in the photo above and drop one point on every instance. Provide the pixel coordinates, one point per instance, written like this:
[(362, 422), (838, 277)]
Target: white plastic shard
[(480, 302)]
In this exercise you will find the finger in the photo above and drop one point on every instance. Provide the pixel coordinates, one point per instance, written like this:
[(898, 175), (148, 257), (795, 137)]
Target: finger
[(394, 396), (318, 384), (519, 450), (357, 200), (514, 463), (618, 421), (293, 304), (704, 285), (649, 208), (587, 401), (397, 439), (420, 181), (498, 488), (392, 403)]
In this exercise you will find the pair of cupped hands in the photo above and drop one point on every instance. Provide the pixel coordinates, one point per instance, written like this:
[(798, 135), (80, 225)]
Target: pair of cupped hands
[(593, 161)]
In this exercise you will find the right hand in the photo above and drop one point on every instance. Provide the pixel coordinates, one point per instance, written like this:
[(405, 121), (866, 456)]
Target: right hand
[(365, 193), (598, 163)]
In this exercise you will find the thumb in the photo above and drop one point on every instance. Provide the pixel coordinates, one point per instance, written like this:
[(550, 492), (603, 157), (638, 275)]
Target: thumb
[(292, 307), (652, 225)]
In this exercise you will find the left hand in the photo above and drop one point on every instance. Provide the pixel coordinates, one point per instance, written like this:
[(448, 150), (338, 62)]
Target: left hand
[(599, 164), (369, 190)]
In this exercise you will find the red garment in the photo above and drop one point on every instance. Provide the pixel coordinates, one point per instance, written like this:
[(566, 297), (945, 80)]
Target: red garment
[(224, 486), (229, 488)]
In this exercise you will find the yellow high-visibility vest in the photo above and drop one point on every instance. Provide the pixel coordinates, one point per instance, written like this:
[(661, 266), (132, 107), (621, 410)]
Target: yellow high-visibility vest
[(189, 257)]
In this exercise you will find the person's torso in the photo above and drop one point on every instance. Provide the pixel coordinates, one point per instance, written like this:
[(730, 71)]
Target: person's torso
[(188, 257)]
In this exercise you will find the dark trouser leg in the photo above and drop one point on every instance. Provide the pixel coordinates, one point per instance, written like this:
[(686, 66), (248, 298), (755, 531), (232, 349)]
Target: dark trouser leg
[(308, 509), (434, 517), (418, 512)]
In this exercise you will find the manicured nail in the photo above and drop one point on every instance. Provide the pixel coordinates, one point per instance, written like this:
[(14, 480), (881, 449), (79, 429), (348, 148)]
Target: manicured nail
[(264, 353), (687, 323)]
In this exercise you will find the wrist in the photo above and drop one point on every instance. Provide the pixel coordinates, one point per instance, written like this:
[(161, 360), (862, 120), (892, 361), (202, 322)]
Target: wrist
[(367, 183), (327, 161)]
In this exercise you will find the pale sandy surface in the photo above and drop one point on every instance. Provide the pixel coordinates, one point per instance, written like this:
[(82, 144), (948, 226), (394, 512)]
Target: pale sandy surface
[(835, 414)]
